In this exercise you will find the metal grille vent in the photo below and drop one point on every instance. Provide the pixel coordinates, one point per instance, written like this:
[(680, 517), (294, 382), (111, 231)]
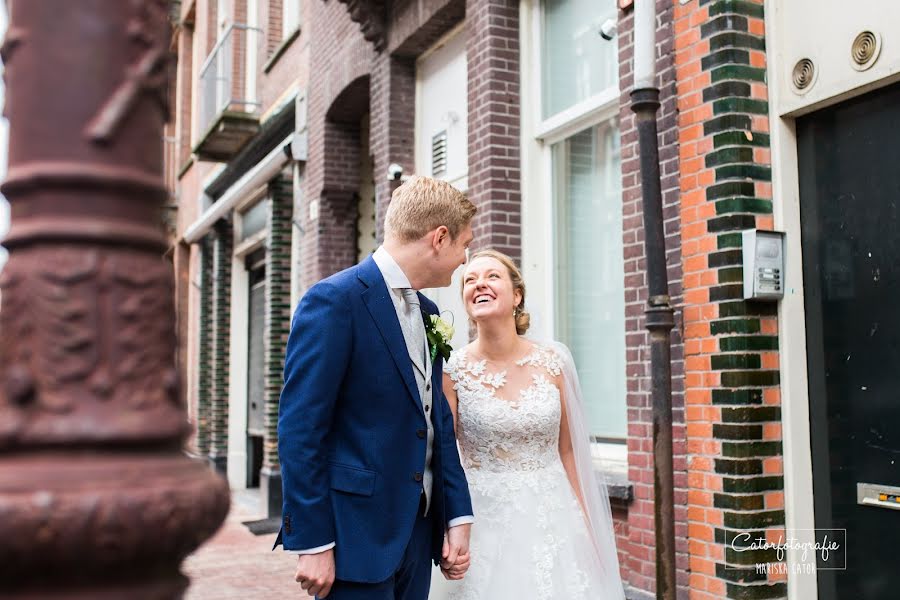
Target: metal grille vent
[(439, 153), (865, 50), (804, 74)]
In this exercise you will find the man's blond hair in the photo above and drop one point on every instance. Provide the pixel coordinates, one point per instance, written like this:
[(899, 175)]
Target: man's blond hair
[(422, 204)]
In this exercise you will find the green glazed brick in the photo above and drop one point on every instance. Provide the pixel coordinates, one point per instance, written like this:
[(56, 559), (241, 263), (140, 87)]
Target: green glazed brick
[(739, 574), (751, 449), (738, 539), (747, 171), (740, 138), (736, 397), (726, 123), (724, 24), (728, 56), (756, 592), (725, 258), (727, 189), (752, 485), (740, 105), (732, 275), (734, 326), (734, 39), (756, 342), (744, 205), (729, 240), (722, 362), (751, 414), (739, 501), (737, 432), (739, 7), (750, 557), (725, 466), (739, 72), (737, 222), (749, 378), (727, 89), (726, 292), (736, 154), (754, 520)]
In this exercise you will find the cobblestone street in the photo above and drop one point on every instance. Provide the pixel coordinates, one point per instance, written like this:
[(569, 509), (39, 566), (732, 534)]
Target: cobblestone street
[(237, 565)]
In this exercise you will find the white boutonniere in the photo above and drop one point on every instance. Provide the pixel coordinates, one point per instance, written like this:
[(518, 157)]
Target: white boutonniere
[(439, 333)]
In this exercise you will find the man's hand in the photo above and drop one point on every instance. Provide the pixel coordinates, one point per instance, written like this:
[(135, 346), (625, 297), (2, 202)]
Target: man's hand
[(315, 572), (455, 558)]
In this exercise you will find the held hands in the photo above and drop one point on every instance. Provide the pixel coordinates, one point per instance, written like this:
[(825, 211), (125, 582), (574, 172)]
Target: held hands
[(455, 557), (315, 573)]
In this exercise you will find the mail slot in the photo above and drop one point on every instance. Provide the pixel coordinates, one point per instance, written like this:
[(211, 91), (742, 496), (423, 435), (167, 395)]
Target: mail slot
[(872, 494)]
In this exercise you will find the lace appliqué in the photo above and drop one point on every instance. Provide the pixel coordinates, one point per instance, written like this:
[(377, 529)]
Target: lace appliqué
[(510, 451)]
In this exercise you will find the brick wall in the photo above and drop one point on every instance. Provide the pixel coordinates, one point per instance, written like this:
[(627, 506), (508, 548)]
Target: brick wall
[(277, 310), (639, 547), (492, 51), (735, 479), (221, 340), (205, 351)]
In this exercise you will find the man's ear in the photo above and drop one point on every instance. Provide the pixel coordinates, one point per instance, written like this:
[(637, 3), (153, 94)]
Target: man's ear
[(441, 237)]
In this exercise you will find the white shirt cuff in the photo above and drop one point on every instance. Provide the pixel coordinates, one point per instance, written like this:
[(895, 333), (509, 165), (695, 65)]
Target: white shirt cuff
[(316, 550), (464, 520)]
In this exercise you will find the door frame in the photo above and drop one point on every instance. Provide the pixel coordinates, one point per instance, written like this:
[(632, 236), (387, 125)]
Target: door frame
[(799, 506)]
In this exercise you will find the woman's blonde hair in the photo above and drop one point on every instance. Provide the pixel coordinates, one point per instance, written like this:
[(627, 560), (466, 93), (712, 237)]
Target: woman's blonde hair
[(523, 319), (422, 204)]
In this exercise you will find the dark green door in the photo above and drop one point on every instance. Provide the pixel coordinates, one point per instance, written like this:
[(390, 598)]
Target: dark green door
[(849, 166)]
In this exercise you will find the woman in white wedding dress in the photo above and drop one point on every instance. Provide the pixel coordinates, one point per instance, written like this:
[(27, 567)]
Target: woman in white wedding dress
[(543, 528)]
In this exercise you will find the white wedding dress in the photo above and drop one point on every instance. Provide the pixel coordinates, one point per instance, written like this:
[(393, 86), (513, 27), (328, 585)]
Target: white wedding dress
[(531, 539)]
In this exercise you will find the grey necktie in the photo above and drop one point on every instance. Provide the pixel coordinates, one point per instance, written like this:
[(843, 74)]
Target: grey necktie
[(414, 328)]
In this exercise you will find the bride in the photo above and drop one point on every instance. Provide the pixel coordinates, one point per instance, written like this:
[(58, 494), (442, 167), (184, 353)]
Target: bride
[(543, 526)]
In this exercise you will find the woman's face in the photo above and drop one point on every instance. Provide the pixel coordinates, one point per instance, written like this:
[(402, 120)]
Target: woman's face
[(488, 290)]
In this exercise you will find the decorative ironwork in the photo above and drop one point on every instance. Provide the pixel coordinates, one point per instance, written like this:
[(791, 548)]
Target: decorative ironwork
[(94, 487)]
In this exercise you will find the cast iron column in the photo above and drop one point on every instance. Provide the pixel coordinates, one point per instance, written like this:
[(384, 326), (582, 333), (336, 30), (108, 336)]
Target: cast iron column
[(97, 499)]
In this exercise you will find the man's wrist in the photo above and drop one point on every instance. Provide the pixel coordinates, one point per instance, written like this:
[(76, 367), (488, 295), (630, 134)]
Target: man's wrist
[(463, 520), (316, 550)]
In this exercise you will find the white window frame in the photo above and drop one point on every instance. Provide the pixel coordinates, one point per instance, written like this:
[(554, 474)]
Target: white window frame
[(290, 17), (539, 220)]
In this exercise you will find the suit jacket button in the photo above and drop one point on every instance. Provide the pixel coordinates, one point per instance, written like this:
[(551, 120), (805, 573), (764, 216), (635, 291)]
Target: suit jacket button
[(427, 387), (417, 477), (421, 434)]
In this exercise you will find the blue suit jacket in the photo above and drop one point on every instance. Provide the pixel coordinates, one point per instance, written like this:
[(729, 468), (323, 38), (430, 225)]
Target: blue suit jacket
[(350, 430)]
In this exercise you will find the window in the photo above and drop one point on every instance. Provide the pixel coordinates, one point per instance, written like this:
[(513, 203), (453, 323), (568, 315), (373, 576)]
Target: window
[(576, 62), (572, 204), (290, 17), (590, 306)]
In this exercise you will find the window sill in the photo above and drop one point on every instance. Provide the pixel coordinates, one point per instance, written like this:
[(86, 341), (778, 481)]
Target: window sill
[(280, 50)]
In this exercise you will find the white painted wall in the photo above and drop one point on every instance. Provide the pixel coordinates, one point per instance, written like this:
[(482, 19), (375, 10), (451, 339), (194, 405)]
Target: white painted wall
[(442, 104)]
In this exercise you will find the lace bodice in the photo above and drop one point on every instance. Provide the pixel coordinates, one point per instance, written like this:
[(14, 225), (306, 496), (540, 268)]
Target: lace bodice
[(508, 421)]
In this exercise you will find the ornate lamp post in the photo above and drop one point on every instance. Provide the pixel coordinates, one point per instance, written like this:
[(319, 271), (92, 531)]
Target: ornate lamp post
[(96, 497)]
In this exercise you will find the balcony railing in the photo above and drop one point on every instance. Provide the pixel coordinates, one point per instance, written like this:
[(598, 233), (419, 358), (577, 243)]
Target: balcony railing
[(228, 105)]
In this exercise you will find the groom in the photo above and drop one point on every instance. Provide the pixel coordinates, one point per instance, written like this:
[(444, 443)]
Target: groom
[(373, 487)]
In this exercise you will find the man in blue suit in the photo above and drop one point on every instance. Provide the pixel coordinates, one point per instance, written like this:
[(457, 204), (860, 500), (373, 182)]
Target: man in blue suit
[(373, 487)]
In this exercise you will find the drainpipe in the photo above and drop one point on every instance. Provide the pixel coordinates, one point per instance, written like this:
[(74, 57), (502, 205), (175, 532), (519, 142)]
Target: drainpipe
[(659, 313)]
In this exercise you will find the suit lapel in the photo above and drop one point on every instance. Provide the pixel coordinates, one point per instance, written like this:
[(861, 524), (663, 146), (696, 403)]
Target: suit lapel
[(381, 308)]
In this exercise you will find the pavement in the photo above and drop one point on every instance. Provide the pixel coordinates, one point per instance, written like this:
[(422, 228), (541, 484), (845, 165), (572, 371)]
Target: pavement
[(237, 565)]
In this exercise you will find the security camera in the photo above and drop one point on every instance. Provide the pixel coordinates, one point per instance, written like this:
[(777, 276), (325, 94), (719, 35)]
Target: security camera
[(394, 172), (608, 29)]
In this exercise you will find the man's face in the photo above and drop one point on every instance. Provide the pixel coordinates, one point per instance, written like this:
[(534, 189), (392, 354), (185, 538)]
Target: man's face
[(451, 254)]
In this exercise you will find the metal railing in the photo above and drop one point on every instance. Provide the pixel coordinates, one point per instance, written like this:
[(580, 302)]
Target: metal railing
[(225, 74)]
